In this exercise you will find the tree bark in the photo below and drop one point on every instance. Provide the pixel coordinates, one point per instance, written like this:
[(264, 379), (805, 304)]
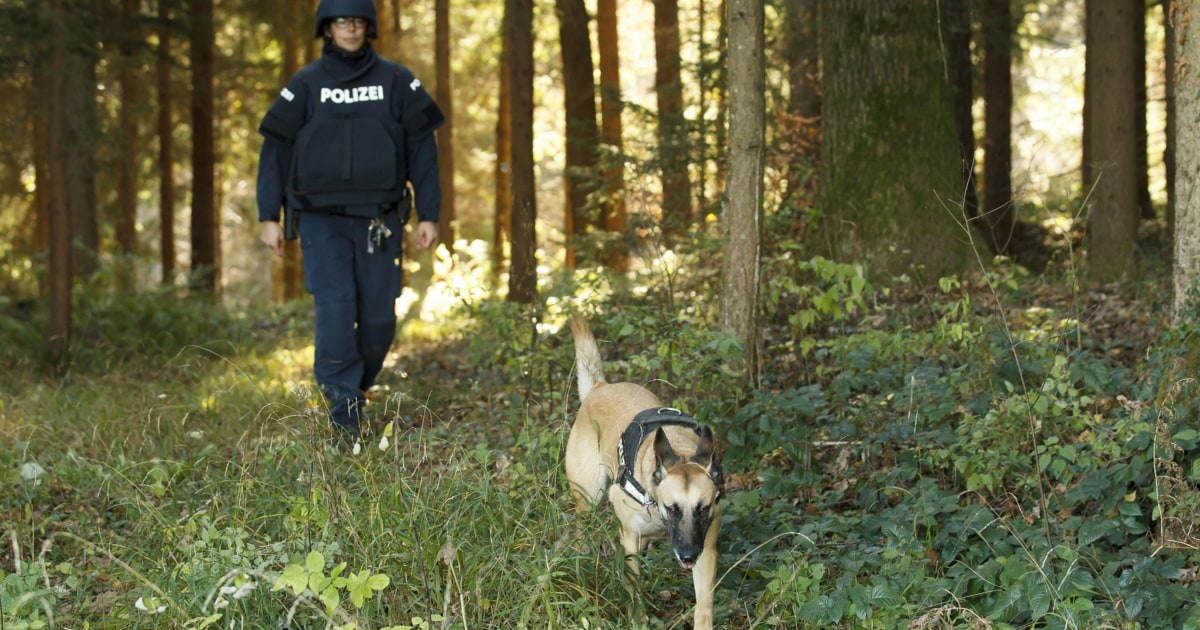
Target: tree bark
[(998, 204), (82, 132), (522, 279), (1111, 93), (611, 136), (579, 90), (166, 144), (742, 219), (1169, 79), (891, 168), (127, 178), (445, 135), (673, 150), (205, 272), (58, 332), (502, 233), (1186, 73)]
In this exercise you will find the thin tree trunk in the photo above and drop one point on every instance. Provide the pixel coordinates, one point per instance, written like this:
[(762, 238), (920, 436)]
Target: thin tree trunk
[(82, 132), (742, 220), (1142, 169), (205, 273), (1169, 80), (997, 224), (522, 280), (673, 151), (287, 272), (166, 145), (611, 136), (579, 90), (445, 135), (127, 179), (502, 221), (58, 333)]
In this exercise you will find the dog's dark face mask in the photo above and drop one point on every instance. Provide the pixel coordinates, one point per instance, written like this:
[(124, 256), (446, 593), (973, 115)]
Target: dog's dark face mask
[(687, 493)]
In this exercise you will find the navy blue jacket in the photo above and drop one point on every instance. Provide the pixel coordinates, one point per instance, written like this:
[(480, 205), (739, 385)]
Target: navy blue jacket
[(348, 134)]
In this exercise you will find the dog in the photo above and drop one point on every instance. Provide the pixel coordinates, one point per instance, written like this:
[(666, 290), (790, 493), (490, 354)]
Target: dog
[(658, 466)]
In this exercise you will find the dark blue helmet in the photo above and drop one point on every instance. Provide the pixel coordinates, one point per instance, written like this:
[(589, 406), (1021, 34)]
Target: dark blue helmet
[(329, 9)]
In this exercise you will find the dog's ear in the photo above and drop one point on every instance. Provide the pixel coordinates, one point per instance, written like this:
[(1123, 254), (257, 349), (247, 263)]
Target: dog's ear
[(664, 455), (706, 455)]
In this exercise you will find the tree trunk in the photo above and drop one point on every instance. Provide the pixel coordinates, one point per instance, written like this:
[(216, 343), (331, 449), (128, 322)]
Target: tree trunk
[(891, 165), (579, 90), (445, 135), (388, 28), (82, 132), (1186, 276), (1169, 80), (1111, 94), (804, 97), (127, 179), (742, 219), (287, 271), (522, 280), (956, 28), (58, 332), (673, 151), (1142, 169), (803, 56), (611, 136), (998, 222), (502, 231), (166, 144), (205, 273)]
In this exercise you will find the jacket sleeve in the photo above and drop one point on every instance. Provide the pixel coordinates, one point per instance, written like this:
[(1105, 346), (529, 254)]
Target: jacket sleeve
[(420, 117), (269, 190), (279, 128), (423, 174)]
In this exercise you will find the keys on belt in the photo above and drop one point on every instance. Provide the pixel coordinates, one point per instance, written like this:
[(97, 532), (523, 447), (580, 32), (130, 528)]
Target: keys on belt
[(377, 233)]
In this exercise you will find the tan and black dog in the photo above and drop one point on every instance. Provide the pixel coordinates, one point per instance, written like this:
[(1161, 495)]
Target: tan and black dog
[(657, 465)]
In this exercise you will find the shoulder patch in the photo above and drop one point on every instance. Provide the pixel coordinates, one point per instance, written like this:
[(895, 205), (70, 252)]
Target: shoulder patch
[(416, 83), (287, 94)]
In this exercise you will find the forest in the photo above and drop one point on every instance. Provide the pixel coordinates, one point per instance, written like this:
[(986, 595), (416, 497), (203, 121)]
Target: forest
[(925, 268)]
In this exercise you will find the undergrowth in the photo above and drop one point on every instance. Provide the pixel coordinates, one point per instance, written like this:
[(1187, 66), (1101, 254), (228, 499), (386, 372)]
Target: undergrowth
[(965, 457)]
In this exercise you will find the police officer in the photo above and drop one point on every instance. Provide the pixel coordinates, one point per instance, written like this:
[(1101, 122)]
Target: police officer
[(341, 145)]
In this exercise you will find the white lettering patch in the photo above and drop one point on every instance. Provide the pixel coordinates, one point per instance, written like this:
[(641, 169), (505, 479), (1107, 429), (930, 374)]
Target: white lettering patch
[(346, 96), (416, 83), (287, 94)]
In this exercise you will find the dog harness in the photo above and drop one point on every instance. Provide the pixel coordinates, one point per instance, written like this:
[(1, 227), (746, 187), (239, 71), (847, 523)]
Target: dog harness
[(645, 424)]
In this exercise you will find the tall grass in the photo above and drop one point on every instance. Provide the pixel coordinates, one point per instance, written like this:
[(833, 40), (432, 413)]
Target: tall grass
[(907, 463)]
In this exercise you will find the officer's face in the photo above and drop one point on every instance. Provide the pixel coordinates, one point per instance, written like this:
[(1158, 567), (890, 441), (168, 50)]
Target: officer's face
[(348, 33)]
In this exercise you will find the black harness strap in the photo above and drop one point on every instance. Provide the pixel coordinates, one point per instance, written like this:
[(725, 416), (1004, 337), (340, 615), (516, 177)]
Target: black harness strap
[(644, 425)]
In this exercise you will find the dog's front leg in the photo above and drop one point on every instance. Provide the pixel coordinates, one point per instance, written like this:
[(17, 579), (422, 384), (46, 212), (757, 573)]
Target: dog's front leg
[(704, 577), (632, 542)]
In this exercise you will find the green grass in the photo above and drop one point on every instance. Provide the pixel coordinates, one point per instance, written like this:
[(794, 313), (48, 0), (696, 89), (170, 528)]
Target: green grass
[(907, 463)]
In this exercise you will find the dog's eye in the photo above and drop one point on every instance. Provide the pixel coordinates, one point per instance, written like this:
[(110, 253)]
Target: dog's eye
[(674, 510)]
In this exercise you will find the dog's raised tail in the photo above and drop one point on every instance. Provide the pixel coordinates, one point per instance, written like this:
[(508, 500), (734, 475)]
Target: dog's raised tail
[(588, 364)]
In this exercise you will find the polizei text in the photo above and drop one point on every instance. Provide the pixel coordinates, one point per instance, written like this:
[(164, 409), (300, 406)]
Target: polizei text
[(352, 95)]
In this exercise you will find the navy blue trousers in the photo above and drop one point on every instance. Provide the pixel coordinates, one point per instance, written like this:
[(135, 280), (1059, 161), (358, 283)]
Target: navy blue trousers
[(354, 293)]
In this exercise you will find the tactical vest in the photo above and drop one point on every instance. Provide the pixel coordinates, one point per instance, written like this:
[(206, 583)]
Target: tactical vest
[(349, 157)]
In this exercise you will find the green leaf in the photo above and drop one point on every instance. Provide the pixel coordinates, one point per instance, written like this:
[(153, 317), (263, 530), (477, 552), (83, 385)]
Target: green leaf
[(330, 598), (315, 562), (1093, 530), (294, 577)]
